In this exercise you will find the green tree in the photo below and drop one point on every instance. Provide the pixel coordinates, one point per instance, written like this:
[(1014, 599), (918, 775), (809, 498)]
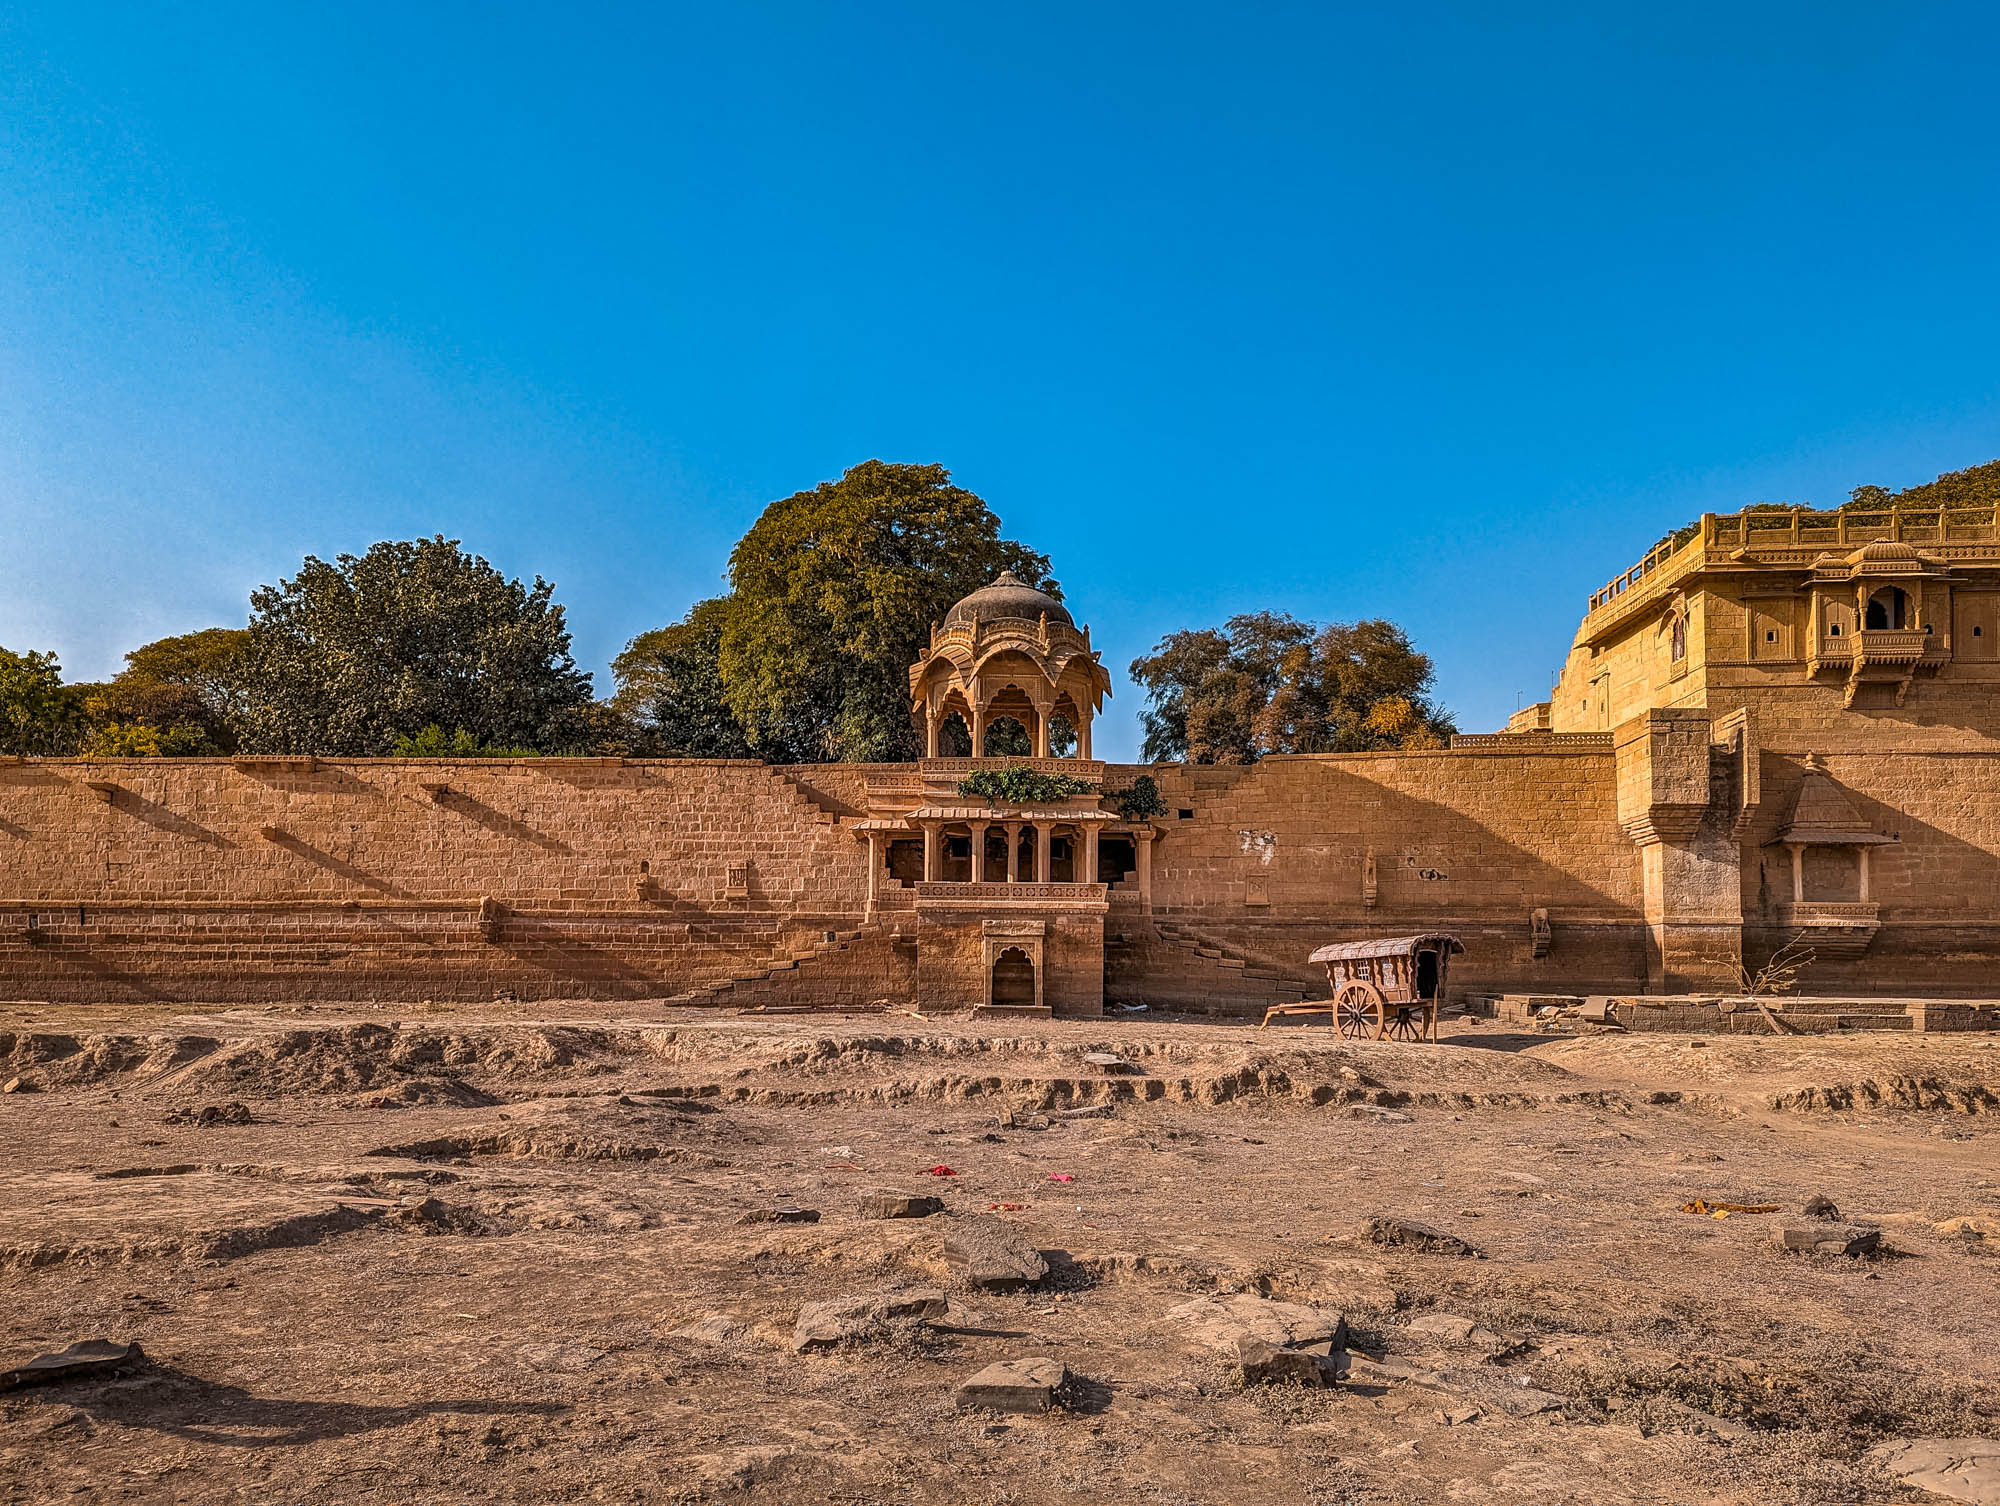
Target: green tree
[(346, 657), (431, 742), (145, 740), (670, 686), (834, 592), (1266, 682), (39, 715), (171, 684)]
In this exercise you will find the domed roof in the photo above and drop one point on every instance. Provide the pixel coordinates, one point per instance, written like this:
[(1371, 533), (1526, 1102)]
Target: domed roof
[(1008, 596), (1879, 550)]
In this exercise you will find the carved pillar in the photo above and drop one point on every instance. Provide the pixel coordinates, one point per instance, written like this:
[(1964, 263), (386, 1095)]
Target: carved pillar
[(1798, 853), (1083, 734), (1087, 835), (1044, 837), (979, 730), (1041, 731), (932, 725), (874, 870), (1865, 895), (932, 846), (1143, 842), (1013, 829)]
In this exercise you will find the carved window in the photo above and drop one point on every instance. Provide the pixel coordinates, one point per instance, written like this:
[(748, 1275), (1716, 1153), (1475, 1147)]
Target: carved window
[(1887, 608)]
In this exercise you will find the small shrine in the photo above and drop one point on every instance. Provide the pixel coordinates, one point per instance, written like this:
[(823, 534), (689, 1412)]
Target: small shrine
[(998, 856), (1832, 908)]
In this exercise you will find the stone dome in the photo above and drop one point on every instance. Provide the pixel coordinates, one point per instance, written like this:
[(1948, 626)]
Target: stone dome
[(1009, 596)]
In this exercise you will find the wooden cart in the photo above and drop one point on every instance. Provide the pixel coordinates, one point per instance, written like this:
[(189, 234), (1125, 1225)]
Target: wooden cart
[(1388, 989)]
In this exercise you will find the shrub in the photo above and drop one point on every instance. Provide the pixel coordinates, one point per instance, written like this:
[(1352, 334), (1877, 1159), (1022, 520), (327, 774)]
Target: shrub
[(1141, 802), (1018, 785), (144, 740), (432, 743)]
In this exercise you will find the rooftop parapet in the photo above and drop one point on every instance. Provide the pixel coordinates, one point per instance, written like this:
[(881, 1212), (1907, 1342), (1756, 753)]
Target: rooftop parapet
[(1776, 531)]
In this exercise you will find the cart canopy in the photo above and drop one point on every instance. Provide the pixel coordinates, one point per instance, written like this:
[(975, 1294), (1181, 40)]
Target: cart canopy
[(1390, 946)]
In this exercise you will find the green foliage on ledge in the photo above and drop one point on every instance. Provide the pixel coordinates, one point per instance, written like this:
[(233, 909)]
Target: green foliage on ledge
[(1141, 802), (1019, 785)]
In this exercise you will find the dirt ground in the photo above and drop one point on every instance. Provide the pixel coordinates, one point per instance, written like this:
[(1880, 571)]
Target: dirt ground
[(500, 1254)]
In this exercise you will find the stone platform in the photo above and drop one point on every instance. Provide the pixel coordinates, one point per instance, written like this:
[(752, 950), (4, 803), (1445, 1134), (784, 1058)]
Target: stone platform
[(1801, 1014)]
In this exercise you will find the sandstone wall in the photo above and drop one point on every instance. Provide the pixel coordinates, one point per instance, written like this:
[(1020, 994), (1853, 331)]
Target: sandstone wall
[(203, 879), (206, 880), (1270, 859), (1938, 886)]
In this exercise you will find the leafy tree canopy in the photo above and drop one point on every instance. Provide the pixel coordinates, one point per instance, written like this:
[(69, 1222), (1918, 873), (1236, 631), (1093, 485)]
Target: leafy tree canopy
[(1266, 682), (344, 657), (670, 686), (431, 742), (39, 715), (145, 740), (169, 685), (834, 591)]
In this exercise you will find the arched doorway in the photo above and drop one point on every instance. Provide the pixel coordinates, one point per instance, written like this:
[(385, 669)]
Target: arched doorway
[(1887, 608), (1013, 979), (1008, 737), (954, 737)]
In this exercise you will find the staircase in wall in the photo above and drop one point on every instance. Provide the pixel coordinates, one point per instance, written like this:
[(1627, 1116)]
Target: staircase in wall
[(814, 805), (789, 969), (1168, 966)]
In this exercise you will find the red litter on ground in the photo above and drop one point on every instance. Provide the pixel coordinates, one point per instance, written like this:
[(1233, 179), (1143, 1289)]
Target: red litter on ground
[(943, 1171), (1061, 1176), (1003, 1207)]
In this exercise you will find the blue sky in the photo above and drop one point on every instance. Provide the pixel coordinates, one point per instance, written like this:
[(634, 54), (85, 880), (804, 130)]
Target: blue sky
[(1443, 314)]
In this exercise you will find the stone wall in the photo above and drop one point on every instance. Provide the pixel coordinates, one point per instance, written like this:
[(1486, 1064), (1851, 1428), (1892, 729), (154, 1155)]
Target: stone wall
[(1937, 886), (1271, 859), (208, 880), (203, 879)]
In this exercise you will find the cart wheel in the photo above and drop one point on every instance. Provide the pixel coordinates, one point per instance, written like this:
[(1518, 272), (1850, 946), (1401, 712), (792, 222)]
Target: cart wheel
[(1403, 1022), (1354, 1010)]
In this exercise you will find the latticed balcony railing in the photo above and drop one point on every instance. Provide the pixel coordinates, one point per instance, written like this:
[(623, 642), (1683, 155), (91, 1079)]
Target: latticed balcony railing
[(1802, 527)]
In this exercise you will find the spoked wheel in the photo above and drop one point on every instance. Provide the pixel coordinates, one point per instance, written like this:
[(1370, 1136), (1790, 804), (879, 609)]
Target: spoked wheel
[(1354, 1010), (1403, 1022)]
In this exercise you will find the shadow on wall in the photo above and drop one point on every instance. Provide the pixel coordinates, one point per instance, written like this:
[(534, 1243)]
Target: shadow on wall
[(459, 803), (541, 946), (322, 780), (300, 848), (67, 956), (1460, 867), (1938, 936), (171, 822)]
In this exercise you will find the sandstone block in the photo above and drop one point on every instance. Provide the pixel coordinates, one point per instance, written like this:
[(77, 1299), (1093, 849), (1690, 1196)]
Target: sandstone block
[(821, 1325), (883, 1204), (1962, 1469), (1827, 1237), (1026, 1385), (990, 1254), (1222, 1323), (1263, 1363), (1413, 1235)]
